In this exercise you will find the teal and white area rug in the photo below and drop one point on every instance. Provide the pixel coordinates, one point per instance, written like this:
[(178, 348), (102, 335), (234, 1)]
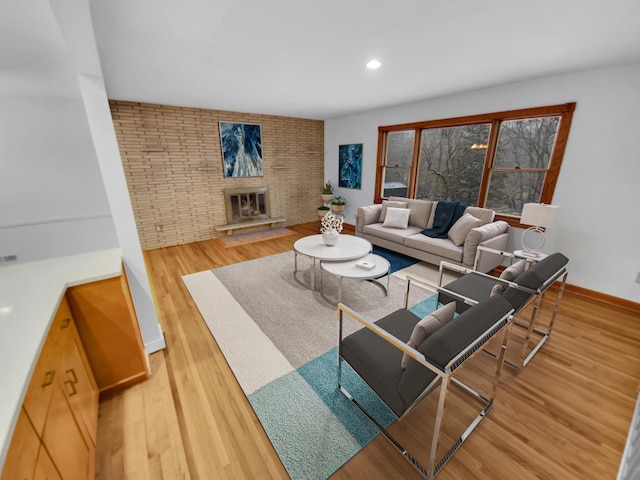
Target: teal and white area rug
[(280, 338)]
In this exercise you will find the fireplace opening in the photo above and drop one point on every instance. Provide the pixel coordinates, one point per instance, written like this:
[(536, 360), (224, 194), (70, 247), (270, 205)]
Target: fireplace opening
[(246, 204)]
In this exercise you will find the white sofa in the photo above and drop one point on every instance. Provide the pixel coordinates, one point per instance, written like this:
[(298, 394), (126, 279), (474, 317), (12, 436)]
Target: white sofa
[(410, 241)]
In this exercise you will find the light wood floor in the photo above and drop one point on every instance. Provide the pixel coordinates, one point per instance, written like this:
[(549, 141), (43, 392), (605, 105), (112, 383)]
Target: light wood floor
[(565, 416)]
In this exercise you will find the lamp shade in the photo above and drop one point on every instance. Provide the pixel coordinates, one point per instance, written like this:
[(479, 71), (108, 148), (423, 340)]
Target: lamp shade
[(538, 214)]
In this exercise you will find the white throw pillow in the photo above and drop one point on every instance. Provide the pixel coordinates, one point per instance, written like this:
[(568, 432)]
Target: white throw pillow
[(510, 274), (458, 233), (386, 204), (427, 326), (397, 218)]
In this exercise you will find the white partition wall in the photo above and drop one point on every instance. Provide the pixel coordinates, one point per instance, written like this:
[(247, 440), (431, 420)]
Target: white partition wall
[(74, 19), (104, 138), (62, 186)]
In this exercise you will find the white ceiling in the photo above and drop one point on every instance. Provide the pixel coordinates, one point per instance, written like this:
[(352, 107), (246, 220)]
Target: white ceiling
[(307, 58)]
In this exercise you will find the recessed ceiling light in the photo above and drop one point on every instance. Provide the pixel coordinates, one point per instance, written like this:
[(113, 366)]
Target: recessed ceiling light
[(373, 64)]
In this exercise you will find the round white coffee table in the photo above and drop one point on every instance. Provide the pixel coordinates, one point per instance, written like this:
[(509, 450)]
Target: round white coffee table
[(348, 247), (350, 269)]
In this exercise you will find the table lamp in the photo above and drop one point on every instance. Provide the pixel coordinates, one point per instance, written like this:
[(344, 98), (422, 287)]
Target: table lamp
[(540, 216)]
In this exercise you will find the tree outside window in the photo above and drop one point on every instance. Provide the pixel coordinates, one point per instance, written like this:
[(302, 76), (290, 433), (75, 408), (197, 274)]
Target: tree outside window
[(451, 161)]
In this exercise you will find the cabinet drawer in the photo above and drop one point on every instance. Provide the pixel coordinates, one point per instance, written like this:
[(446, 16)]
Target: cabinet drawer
[(38, 396), (80, 386), (63, 439)]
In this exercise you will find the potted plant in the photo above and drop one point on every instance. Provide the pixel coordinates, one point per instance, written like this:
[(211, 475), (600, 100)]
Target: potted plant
[(322, 211), (337, 205), (327, 192)]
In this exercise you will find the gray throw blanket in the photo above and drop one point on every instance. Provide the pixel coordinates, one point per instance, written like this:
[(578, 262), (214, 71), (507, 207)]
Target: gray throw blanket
[(447, 213)]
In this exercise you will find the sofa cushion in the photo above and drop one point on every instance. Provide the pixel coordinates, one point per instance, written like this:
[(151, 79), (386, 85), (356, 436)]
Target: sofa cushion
[(420, 210), (480, 234), (450, 340), (397, 218), (510, 274), (428, 325), (484, 214), (378, 361), (396, 235), (534, 278), (447, 214), (369, 214), (447, 342), (386, 204), (513, 271), (458, 232), (473, 285), (442, 247), (432, 215)]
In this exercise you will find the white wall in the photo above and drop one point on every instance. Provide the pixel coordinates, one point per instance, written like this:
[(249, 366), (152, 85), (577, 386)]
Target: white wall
[(62, 185), (52, 199), (599, 225), (74, 20), (106, 144)]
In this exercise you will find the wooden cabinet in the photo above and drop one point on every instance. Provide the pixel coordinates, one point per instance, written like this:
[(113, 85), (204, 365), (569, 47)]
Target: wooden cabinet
[(27, 458), (58, 420), (93, 345), (109, 330), (45, 469), (23, 451), (63, 438)]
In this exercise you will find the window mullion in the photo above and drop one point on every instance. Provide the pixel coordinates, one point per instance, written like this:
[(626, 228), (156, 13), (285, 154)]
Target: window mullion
[(413, 174), (551, 177), (489, 161), (380, 164), (519, 169)]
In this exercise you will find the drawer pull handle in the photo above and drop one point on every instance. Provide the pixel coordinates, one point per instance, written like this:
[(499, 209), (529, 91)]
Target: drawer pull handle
[(72, 373), (73, 388), (48, 378), (71, 382), (65, 323)]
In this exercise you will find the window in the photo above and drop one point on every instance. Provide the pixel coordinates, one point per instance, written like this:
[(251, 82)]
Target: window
[(499, 160), (399, 156), (451, 161)]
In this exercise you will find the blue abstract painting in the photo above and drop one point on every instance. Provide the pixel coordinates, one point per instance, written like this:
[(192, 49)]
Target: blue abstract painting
[(241, 149), (350, 165)]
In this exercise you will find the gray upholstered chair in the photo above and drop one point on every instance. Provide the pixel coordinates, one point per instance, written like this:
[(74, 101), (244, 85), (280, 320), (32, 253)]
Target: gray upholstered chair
[(526, 288), (375, 354)]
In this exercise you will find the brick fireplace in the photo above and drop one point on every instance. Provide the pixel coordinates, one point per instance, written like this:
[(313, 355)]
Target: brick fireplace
[(247, 208), (246, 204)]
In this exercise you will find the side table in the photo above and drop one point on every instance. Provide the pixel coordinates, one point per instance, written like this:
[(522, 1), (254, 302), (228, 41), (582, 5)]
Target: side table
[(348, 247), (350, 270), (529, 258)]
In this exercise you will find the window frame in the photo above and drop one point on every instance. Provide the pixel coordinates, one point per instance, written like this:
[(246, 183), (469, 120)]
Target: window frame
[(563, 111)]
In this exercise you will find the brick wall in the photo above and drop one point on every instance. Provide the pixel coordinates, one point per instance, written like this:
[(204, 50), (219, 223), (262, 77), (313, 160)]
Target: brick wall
[(173, 164)]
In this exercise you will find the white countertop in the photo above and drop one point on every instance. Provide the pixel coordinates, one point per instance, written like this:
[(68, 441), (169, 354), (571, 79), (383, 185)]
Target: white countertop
[(29, 297)]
